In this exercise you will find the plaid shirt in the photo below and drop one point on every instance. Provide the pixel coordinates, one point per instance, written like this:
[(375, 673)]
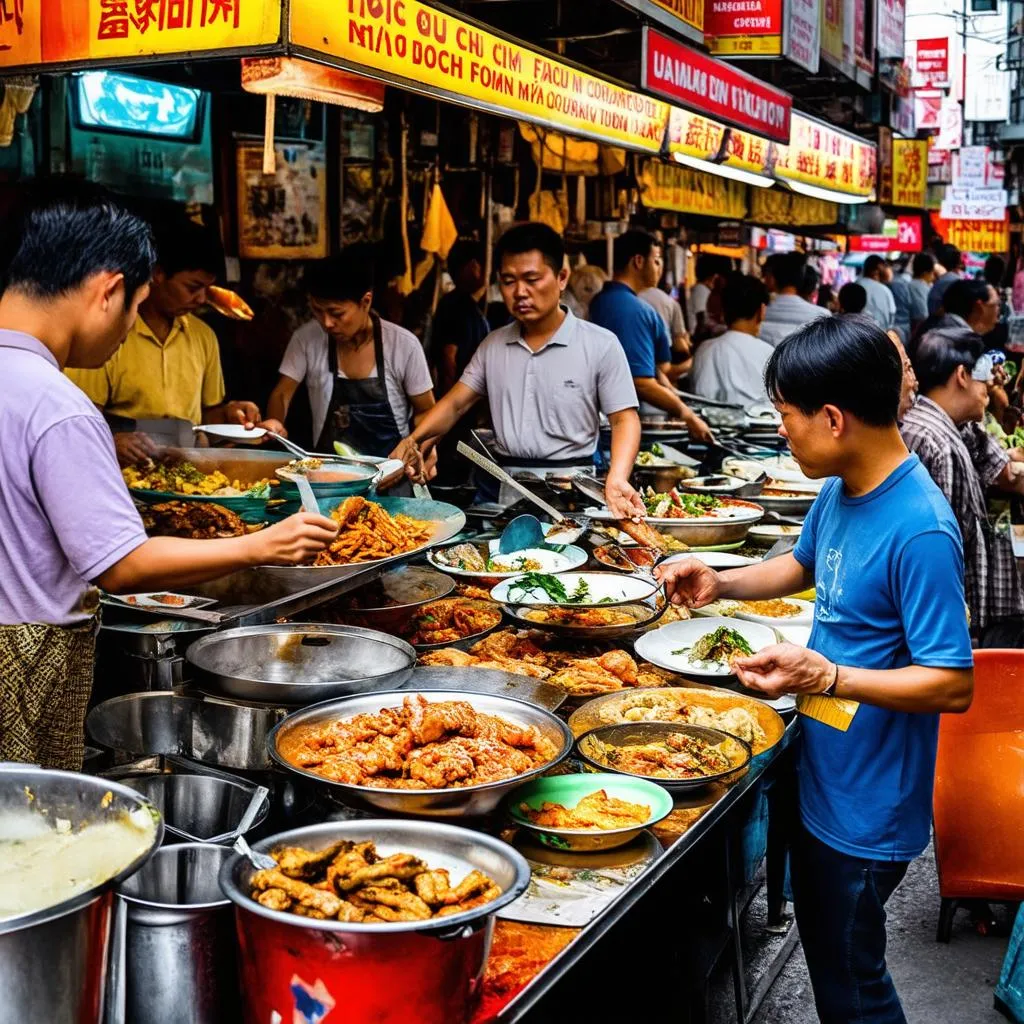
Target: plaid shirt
[(963, 463)]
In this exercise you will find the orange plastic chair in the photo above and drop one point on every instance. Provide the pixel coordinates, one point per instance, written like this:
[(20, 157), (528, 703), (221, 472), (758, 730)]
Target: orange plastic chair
[(979, 790)]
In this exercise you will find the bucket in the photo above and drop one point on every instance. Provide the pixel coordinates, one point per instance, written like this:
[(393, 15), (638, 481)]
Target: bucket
[(173, 957)]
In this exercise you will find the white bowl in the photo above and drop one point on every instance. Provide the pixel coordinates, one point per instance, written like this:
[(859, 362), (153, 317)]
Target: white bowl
[(605, 589)]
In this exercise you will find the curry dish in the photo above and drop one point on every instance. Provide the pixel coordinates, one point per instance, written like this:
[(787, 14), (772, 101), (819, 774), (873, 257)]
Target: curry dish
[(451, 619), (652, 706), (193, 520), (420, 745), (582, 617), (678, 756), (595, 811), (351, 882), (179, 477), (581, 672), (366, 531)]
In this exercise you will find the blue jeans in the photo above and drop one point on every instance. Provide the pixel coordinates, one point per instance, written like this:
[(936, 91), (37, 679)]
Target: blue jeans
[(840, 910)]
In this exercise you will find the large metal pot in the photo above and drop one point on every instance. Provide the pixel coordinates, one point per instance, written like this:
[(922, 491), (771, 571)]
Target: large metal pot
[(299, 664), (52, 961), (421, 972), (454, 802)]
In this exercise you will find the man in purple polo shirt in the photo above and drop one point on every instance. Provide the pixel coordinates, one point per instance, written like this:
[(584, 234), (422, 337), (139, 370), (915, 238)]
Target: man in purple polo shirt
[(77, 268)]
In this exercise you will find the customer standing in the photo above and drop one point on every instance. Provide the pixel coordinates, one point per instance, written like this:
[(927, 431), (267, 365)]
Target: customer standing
[(949, 258), (920, 286), (899, 285), (708, 269), (787, 312), (641, 331), (672, 314), (547, 377), (883, 551), (459, 324), (730, 368), (881, 306), (944, 429), (78, 267)]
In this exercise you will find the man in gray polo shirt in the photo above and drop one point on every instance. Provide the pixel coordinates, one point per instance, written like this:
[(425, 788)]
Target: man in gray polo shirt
[(547, 376)]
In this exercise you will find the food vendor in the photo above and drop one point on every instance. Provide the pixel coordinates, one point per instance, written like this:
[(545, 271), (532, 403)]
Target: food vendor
[(78, 267), (367, 378), (547, 376), (890, 640), (169, 366)]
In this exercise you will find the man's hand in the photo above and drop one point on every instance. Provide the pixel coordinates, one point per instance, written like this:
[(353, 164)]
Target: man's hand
[(698, 429), (275, 425), (689, 582), (242, 412), (295, 540), (133, 448), (785, 668), (622, 499), (408, 452)]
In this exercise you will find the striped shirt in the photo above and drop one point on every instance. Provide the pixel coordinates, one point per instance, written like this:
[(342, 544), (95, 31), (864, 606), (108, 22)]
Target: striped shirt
[(963, 463)]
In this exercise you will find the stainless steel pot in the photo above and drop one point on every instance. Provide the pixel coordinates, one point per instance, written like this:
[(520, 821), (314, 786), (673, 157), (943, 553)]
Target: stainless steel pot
[(299, 664), (456, 802), (214, 732), (420, 972), (52, 961), (173, 957)]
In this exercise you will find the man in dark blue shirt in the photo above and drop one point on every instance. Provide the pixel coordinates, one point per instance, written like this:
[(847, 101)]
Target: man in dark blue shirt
[(459, 325), (641, 331), (890, 645)]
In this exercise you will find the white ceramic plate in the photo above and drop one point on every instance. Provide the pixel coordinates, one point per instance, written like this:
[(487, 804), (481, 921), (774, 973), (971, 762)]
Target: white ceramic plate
[(570, 557), (714, 559), (774, 532), (735, 610), (659, 645), (233, 432), (735, 511), (605, 588), (153, 600)]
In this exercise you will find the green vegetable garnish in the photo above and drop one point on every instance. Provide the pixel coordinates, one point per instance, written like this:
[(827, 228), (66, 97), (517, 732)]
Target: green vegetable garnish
[(551, 585)]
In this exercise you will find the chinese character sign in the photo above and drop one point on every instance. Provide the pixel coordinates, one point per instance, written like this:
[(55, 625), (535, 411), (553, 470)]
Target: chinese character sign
[(909, 172), (825, 157)]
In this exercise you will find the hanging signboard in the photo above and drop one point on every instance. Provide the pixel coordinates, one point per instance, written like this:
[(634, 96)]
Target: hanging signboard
[(665, 186), (885, 165), (743, 28), (429, 51), (974, 203), (775, 206), (909, 172), (39, 32), (863, 46), (985, 236), (951, 125), (696, 136), (801, 41), (683, 17), (890, 19), (931, 64), (826, 157), (701, 83), (928, 110), (832, 31), (901, 235)]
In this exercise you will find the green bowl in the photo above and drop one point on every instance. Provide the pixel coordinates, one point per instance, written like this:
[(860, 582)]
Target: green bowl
[(568, 790)]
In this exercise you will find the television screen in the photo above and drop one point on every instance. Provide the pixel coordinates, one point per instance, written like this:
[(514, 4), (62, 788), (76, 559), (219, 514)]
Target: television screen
[(118, 102)]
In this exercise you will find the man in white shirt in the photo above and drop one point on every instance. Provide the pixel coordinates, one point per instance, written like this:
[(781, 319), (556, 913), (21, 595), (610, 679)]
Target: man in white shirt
[(881, 305), (730, 368), (788, 312), (708, 270)]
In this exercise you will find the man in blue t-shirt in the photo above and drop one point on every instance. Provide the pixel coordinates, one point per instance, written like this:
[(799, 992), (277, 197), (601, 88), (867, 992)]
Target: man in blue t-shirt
[(882, 549), (641, 331)]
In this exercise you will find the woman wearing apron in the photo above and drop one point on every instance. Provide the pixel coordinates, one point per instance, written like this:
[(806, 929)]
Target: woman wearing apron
[(367, 378)]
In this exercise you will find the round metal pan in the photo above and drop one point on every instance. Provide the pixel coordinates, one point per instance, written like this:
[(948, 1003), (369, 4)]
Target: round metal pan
[(298, 664)]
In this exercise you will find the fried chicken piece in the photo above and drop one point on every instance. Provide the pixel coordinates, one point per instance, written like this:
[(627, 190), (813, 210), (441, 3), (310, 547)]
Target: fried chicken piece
[(441, 765), (348, 511), (472, 885), (449, 657), (399, 865), (316, 901), (306, 865), (350, 913), (348, 862), (429, 722), (274, 899), (492, 892), (397, 899), (643, 533), (433, 886), (586, 678)]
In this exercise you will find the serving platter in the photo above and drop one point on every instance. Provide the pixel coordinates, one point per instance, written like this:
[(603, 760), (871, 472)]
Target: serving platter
[(660, 646), (604, 589), (737, 610), (565, 559)]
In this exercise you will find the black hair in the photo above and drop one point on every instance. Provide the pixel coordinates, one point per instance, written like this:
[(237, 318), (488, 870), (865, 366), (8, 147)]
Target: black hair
[(788, 269), (825, 296), (924, 263), (845, 361), (635, 242), (742, 297), (939, 352), (995, 271), (949, 256), (529, 237), (960, 297), (707, 266), (462, 253), (66, 231), (346, 277), (809, 282), (853, 298), (871, 264), (183, 245)]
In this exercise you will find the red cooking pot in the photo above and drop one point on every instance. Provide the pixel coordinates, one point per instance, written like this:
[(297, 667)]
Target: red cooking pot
[(418, 972)]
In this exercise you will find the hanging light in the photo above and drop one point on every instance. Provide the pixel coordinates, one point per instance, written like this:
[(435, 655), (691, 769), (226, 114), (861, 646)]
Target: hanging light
[(723, 171), (828, 194), (306, 80)]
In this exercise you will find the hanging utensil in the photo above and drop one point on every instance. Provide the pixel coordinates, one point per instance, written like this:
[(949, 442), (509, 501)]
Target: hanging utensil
[(260, 861), (499, 474)]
